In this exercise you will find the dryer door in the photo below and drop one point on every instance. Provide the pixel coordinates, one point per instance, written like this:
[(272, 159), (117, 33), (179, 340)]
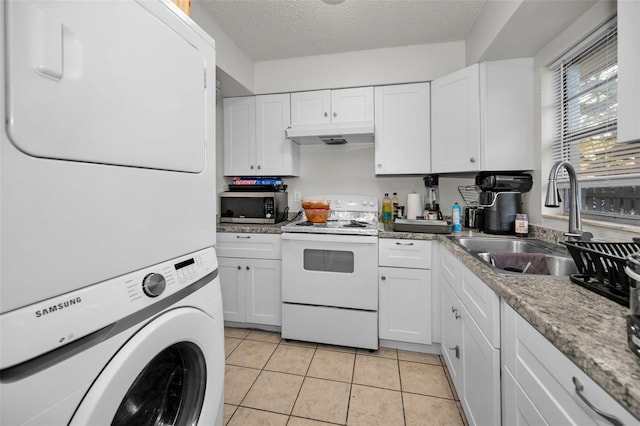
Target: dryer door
[(171, 372), (105, 82)]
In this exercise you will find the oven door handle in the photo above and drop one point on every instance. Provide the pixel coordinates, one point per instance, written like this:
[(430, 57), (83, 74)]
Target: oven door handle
[(329, 238)]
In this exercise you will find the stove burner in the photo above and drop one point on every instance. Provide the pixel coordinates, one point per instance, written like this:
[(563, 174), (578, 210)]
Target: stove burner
[(355, 224), (307, 223)]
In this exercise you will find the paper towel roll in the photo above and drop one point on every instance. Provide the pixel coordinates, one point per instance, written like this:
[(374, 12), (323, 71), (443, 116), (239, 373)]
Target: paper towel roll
[(414, 205)]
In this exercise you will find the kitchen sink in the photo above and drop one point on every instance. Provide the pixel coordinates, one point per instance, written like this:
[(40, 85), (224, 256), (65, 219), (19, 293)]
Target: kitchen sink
[(559, 262)]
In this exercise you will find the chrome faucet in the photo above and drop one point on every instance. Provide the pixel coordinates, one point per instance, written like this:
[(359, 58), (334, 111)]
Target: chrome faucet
[(553, 200)]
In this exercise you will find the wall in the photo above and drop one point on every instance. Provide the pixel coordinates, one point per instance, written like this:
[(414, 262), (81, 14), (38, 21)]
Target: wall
[(361, 68), (229, 57), (596, 16)]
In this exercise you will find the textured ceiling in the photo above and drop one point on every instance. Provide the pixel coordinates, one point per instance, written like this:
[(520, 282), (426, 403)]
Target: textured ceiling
[(278, 29)]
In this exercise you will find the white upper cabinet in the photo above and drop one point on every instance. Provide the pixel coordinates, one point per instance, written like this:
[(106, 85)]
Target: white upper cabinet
[(254, 137), (482, 118), (402, 129), (332, 106), (628, 70)]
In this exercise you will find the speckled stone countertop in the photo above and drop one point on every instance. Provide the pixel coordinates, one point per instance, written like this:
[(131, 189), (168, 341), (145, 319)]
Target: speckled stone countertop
[(252, 229), (589, 329)]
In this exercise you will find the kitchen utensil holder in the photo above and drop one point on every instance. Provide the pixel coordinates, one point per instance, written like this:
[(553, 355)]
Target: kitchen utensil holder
[(601, 267)]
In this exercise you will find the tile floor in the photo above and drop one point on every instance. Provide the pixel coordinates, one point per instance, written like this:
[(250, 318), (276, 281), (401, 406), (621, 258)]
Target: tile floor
[(270, 381)]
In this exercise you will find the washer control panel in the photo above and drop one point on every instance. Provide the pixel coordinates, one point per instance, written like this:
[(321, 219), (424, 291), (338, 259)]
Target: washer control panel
[(50, 324)]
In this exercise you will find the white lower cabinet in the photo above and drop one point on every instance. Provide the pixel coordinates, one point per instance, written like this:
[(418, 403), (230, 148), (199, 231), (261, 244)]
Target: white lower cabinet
[(541, 386), (251, 286), (404, 285), (470, 346)]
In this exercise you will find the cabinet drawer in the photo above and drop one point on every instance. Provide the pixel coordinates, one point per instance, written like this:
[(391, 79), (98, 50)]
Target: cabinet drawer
[(246, 245), (548, 378), (404, 253)]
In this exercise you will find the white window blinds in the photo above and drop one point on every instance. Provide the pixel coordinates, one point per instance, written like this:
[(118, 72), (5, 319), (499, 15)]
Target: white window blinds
[(585, 87)]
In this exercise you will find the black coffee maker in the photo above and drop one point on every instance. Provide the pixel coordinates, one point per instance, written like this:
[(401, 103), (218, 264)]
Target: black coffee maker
[(501, 199)]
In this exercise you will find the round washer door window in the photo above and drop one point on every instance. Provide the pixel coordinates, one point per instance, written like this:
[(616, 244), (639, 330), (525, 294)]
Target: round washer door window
[(169, 391), (171, 372)]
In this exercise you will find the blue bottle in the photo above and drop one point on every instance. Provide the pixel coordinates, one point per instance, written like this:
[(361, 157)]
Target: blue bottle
[(456, 217)]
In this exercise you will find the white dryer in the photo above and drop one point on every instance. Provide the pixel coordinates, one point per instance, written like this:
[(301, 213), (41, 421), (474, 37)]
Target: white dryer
[(145, 349)]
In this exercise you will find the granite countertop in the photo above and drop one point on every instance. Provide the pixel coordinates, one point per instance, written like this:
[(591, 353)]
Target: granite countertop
[(589, 329), (251, 229)]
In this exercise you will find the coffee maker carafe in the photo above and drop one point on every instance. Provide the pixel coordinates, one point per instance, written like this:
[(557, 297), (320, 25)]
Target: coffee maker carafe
[(501, 200)]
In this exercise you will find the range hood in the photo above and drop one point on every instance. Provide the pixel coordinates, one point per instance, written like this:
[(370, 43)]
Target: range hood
[(332, 134)]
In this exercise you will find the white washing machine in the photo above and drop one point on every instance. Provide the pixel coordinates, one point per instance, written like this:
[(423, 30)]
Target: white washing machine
[(145, 349), (107, 171)]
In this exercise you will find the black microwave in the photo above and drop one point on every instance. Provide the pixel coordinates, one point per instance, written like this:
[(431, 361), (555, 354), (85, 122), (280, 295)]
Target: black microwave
[(253, 207)]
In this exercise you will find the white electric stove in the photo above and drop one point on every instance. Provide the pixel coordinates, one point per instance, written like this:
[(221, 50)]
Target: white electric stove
[(329, 275)]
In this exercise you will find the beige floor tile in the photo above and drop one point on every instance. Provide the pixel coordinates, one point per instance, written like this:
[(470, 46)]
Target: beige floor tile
[(230, 343), (372, 406), (290, 359), (251, 354), (420, 410), (249, 417), (299, 421), (381, 352), (336, 348), (424, 379), (263, 336), (332, 365), (239, 333), (299, 343), (228, 412), (237, 382), (274, 391), (377, 372), (323, 400), (419, 357)]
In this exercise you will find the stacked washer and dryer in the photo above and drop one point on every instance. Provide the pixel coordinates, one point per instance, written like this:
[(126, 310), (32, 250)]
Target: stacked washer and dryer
[(110, 306)]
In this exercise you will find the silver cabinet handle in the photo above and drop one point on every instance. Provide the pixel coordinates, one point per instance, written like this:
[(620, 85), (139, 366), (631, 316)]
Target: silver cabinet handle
[(608, 417), (472, 159), (379, 165), (457, 315), (383, 278), (259, 167), (244, 237), (239, 267), (326, 114), (454, 310), (251, 167), (247, 268), (398, 243), (457, 349), (335, 114)]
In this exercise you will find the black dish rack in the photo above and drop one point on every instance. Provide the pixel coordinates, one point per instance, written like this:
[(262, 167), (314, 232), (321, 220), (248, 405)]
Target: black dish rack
[(601, 267)]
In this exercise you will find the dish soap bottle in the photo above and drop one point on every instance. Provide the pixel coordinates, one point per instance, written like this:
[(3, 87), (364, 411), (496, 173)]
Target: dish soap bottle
[(387, 209), (456, 217), (395, 201)]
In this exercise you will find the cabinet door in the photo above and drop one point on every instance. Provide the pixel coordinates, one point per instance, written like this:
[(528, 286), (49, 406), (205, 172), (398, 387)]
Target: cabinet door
[(275, 154), (264, 295), (628, 70), (352, 105), (480, 395), (240, 136), (547, 377), (404, 312), (455, 121), (309, 108), (232, 286), (452, 335), (402, 130)]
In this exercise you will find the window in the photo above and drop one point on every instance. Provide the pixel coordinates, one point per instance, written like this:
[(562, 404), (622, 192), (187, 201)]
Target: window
[(584, 85)]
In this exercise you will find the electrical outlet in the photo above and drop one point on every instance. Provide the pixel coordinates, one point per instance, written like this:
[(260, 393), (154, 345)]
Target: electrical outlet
[(297, 196)]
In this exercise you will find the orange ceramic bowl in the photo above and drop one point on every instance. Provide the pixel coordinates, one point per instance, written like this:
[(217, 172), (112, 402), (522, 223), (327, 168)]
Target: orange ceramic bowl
[(317, 215)]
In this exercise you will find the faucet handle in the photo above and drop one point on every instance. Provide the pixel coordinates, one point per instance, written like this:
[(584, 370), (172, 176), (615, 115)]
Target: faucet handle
[(578, 235)]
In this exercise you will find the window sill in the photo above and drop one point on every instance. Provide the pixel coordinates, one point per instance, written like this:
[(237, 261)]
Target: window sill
[(596, 223)]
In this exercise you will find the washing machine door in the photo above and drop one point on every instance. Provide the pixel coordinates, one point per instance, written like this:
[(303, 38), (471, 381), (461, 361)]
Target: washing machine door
[(169, 373)]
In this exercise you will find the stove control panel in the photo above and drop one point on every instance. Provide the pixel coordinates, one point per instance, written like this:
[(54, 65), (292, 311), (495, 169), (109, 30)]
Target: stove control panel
[(351, 203)]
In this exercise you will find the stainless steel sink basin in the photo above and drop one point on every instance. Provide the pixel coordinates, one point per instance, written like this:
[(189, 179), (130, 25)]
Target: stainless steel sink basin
[(559, 262)]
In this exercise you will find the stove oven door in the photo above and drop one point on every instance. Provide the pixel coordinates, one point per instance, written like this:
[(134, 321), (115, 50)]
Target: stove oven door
[(330, 270)]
